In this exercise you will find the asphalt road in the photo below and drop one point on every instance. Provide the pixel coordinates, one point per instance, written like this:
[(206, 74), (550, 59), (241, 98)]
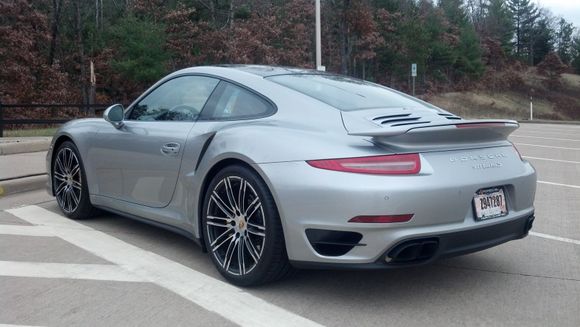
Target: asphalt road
[(112, 271)]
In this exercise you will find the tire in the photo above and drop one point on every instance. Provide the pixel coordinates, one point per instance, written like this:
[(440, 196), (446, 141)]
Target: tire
[(69, 183), (247, 218)]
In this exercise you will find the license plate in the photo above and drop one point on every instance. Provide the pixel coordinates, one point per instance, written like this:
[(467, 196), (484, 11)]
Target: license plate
[(490, 203)]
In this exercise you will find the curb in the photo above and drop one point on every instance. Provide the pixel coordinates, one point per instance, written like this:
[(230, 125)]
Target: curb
[(23, 184), (24, 146)]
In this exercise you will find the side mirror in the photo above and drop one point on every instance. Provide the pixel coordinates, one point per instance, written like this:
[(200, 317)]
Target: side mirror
[(115, 115)]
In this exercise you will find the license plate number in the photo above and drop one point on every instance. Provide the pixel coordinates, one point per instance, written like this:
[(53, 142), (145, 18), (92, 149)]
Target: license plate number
[(490, 203)]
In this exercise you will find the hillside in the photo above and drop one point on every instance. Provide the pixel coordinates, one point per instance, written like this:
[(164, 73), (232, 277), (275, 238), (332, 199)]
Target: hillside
[(562, 103)]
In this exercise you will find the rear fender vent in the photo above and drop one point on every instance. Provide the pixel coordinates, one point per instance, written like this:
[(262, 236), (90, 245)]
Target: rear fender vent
[(333, 243)]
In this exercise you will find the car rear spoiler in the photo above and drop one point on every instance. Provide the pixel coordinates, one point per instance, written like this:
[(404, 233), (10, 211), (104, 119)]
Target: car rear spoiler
[(438, 134)]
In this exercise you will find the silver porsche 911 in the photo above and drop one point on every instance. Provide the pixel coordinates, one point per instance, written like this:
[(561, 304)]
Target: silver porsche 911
[(270, 168)]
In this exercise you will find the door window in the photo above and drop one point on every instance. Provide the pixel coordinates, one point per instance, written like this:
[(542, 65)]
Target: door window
[(179, 99)]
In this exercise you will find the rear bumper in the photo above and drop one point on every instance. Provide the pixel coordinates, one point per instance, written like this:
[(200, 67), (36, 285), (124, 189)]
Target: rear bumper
[(454, 244), (440, 198), (448, 245)]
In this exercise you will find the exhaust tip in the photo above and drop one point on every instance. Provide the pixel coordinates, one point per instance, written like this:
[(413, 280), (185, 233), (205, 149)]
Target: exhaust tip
[(413, 251), (530, 223)]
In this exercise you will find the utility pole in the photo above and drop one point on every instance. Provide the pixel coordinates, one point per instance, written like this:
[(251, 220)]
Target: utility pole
[(318, 39)]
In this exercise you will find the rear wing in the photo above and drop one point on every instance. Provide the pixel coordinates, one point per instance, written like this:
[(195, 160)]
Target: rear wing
[(433, 133)]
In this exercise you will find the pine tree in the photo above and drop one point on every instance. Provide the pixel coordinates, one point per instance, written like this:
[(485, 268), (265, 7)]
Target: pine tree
[(498, 23), (564, 38), (141, 57), (576, 53), (454, 11), (544, 39), (467, 50), (524, 16)]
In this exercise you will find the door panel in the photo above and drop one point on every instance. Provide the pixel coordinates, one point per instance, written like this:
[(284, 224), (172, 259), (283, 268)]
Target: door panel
[(140, 161), (130, 163)]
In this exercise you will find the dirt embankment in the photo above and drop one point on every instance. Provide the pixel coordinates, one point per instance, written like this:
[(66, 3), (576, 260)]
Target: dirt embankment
[(554, 102)]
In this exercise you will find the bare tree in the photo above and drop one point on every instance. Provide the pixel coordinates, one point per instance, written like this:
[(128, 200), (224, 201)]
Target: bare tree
[(56, 11)]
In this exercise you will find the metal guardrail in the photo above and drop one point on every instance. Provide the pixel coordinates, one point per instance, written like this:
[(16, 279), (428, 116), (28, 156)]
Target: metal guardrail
[(83, 111)]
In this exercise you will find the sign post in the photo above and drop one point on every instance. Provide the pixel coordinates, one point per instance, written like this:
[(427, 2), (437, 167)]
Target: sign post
[(532, 104), (413, 74), (531, 108)]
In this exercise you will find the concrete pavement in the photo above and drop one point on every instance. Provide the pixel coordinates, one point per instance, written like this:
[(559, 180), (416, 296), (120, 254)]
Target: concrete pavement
[(22, 164), (531, 282), (22, 172), (13, 145)]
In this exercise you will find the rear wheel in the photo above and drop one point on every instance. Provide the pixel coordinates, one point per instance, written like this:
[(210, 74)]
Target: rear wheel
[(242, 229), (70, 184)]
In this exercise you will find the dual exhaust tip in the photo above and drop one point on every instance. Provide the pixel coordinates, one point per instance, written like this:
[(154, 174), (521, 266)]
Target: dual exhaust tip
[(530, 223), (421, 250), (413, 251)]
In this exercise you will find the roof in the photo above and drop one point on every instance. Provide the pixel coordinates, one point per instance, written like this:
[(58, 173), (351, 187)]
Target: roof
[(265, 71)]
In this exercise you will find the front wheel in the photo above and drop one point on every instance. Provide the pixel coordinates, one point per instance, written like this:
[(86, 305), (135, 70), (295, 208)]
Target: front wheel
[(242, 229), (70, 183)]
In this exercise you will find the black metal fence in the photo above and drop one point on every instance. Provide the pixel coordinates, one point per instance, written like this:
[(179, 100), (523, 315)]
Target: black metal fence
[(55, 114)]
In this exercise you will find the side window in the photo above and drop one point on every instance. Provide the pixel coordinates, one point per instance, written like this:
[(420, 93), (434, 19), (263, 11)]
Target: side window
[(233, 102), (179, 99)]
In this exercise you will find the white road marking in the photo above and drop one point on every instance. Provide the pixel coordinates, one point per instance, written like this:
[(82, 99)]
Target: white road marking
[(24, 230), (555, 160), (211, 294), (559, 184), (9, 325), (550, 133), (555, 238), (544, 138), (551, 127), (547, 146), (67, 270)]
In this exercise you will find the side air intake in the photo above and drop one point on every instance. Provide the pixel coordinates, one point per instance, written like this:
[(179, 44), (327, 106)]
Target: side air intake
[(333, 243)]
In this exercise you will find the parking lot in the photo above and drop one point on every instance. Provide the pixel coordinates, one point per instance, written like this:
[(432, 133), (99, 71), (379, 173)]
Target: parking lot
[(112, 271)]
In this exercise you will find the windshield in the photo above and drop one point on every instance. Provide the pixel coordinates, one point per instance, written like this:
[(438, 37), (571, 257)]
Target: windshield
[(347, 93)]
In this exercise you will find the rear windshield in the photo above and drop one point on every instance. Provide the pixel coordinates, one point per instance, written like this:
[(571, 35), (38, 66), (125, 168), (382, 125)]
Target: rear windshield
[(347, 93)]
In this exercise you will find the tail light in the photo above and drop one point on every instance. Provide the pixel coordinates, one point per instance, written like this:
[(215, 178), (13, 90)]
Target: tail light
[(397, 164), (381, 219)]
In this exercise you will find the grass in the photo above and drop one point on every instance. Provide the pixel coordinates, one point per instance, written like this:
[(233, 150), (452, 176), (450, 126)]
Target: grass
[(505, 105), (30, 132), (572, 79)]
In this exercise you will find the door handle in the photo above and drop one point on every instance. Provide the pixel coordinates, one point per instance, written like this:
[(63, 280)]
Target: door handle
[(170, 149)]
